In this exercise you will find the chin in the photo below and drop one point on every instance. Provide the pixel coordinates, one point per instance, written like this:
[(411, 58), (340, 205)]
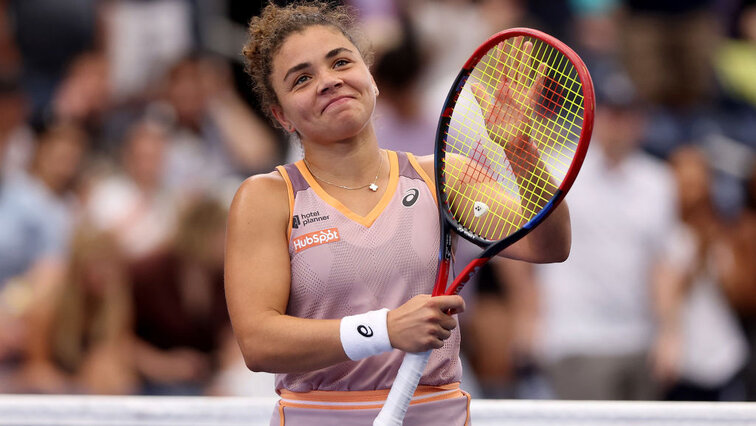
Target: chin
[(348, 128)]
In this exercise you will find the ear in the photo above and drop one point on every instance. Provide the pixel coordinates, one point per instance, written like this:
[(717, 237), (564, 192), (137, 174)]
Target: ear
[(279, 115), (375, 86)]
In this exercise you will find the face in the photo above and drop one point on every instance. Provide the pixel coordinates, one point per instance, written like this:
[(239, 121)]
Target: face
[(59, 159), (618, 130), (325, 91), (185, 93), (693, 177), (144, 156)]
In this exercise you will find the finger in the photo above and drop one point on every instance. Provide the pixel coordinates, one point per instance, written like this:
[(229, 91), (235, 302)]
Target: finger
[(443, 333), (524, 65), (482, 97), (535, 91), (438, 344), (514, 47), (501, 58), (452, 302), (448, 323)]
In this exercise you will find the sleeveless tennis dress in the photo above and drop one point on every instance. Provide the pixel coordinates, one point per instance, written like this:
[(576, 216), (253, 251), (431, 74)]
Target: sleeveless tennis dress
[(345, 264)]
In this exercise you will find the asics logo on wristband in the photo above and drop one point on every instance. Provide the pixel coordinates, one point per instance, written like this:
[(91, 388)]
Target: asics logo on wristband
[(365, 335), (365, 331)]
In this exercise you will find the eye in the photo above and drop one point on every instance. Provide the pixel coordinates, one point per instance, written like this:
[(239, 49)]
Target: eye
[(340, 63), (301, 79)]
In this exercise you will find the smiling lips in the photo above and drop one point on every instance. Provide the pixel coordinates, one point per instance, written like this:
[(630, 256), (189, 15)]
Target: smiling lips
[(336, 100)]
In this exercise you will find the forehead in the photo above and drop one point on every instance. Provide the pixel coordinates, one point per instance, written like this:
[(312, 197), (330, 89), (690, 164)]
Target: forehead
[(308, 45)]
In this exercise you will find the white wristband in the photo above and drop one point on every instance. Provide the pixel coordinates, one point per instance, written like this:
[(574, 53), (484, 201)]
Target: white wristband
[(365, 334)]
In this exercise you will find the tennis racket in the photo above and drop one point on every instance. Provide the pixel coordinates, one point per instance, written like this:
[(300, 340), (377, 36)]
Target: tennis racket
[(511, 138)]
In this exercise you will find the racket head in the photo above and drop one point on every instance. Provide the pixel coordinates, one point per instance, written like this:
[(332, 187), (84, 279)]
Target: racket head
[(467, 156)]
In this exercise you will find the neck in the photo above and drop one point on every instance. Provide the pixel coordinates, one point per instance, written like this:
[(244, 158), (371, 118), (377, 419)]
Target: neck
[(350, 162)]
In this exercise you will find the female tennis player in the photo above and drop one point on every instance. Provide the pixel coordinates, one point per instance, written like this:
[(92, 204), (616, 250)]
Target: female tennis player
[(330, 261)]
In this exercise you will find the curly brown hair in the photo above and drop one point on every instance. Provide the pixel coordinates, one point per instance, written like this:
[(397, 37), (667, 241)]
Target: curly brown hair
[(268, 32)]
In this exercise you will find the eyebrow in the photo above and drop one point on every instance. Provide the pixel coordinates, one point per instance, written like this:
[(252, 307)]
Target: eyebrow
[(303, 65)]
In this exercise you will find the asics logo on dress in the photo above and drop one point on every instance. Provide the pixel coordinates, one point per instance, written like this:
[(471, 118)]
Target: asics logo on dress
[(410, 197)]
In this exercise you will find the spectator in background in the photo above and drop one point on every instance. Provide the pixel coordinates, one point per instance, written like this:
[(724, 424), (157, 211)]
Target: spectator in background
[(211, 129), (598, 322), (84, 97), (134, 204), (705, 348), (37, 211), (49, 34), (90, 340), (401, 123), (15, 133), (668, 47), (37, 206), (740, 281), (144, 38), (448, 32), (181, 321)]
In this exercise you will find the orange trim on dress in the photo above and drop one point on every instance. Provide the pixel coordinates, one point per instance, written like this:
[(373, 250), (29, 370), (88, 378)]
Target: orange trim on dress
[(361, 400), (290, 191), (467, 420), (368, 220), (419, 169)]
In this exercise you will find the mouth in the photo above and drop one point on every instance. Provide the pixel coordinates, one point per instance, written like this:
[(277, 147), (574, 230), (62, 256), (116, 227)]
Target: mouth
[(336, 101)]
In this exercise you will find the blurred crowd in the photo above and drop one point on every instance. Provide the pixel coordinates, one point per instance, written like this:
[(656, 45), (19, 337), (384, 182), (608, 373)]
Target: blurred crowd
[(127, 125)]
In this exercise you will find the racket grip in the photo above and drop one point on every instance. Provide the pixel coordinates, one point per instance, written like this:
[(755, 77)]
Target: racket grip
[(405, 384)]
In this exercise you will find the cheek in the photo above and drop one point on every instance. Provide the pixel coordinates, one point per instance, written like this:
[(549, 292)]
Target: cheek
[(295, 108)]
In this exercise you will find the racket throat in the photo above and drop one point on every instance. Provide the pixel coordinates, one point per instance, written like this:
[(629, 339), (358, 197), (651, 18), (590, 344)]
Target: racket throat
[(442, 277), (470, 270)]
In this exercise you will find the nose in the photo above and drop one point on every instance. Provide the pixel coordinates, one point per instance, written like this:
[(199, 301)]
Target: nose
[(330, 81)]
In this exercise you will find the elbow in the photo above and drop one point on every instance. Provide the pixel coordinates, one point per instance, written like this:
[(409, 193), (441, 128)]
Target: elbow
[(557, 251), (253, 363), (563, 247), (562, 253), (255, 357)]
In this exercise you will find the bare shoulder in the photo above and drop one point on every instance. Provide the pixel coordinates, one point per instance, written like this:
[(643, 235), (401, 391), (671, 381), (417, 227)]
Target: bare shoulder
[(261, 198)]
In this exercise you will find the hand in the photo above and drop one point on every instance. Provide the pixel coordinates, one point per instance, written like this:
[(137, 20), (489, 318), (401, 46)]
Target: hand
[(509, 111), (108, 370), (422, 323), (666, 356), (41, 377)]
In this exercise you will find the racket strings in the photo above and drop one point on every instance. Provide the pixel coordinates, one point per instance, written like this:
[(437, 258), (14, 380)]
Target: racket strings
[(493, 81), (485, 170), (540, 134)]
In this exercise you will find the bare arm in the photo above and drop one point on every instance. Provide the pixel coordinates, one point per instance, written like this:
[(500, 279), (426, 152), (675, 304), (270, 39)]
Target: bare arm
[(670, 286), (258, 276), (250, 141)]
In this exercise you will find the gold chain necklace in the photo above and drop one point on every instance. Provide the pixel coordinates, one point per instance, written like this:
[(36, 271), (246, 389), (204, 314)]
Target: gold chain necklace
[(373, 186)]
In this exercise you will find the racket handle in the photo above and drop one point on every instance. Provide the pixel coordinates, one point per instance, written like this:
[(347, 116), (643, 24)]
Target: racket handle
[(405, 384)]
